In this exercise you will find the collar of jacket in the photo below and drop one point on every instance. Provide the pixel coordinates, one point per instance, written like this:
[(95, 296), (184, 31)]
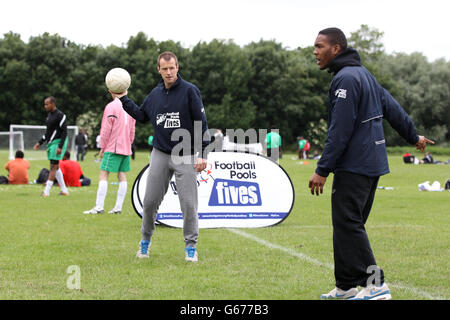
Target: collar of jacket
[(163, 87), (348, 57)]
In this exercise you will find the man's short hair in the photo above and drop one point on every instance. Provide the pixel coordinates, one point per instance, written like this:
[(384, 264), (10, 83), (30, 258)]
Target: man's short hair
[(19, 154), (67, 155), (51, 99), (167, 55), (335, 36)]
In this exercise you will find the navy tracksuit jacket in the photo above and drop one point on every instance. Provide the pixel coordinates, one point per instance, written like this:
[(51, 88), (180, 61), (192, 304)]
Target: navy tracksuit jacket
[(357, 105), (171, 109)]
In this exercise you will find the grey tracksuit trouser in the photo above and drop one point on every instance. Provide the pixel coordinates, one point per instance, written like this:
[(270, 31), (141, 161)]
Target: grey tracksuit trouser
[(162, 167)]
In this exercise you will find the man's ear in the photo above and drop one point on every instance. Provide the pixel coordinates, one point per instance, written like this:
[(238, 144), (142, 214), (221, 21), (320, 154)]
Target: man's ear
[(336, 49)]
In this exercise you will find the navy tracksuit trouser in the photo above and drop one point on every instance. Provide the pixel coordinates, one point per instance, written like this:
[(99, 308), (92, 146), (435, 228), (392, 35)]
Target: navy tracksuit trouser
[(351, 201)]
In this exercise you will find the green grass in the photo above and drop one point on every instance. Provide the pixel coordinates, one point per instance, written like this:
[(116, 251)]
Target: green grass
[(440, 153), (40, 238)]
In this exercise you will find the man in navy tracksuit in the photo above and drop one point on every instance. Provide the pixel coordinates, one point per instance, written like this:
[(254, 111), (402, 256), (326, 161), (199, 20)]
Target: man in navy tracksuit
[(176, 112), (355, 151)]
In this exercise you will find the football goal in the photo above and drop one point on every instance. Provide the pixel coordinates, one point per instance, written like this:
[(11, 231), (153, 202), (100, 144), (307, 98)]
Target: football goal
[(5, 141), (24, 137)]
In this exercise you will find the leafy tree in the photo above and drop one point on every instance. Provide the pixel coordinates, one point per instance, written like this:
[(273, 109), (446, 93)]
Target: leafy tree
[(368, 42), (256, 86), (424, 92), (14, 81), (222, 72), (305, 89), (90, 122)]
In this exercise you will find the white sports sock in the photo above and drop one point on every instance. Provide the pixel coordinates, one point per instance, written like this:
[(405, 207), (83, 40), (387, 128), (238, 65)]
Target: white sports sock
[(48, 186), (121, 193), (60, 178), (101, 194)]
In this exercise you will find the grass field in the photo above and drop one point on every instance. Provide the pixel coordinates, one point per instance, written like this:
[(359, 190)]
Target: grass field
[(41, 238)]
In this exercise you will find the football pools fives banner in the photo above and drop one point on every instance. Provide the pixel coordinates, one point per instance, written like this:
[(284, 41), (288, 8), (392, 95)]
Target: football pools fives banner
[(236, 190)]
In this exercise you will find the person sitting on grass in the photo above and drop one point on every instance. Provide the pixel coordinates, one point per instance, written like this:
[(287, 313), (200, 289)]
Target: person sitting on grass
[(428, 158), (18, 169), (73, 175)]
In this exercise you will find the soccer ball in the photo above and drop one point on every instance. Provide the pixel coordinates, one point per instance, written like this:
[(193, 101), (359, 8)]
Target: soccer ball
[(118, 80)]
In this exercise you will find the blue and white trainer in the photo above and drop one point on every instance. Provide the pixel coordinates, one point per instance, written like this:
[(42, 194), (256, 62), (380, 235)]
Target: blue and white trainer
[(339, 294), (372, 292), (191, 254), (144, 247)]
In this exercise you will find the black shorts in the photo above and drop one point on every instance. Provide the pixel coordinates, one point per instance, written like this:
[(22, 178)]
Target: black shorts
[(54, 162)]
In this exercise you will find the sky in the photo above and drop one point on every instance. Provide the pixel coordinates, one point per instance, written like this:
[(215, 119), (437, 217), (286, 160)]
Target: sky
[(408, 25)]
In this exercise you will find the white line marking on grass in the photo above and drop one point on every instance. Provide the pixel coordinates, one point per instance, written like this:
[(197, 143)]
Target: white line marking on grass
[(287, 250), (316, 262), (415, 291)]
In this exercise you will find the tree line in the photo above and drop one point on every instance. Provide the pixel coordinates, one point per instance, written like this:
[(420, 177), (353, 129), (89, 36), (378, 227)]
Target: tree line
[(259, 85)]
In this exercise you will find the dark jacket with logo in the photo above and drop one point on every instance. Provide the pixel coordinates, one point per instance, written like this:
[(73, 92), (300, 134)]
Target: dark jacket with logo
[(357, 106), (179, 107)]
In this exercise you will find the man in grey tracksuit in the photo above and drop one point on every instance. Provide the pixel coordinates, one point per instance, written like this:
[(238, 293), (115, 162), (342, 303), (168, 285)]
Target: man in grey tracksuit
[(174, 106)]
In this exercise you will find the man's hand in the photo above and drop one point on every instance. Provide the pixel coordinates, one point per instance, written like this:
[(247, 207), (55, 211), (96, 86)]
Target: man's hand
[(422, 143), (118, 95), (36, 146), (58, 151), (100, 154), (200, 164), (316, 183)]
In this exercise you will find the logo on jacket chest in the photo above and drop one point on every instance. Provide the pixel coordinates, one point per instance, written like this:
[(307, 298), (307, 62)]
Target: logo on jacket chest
[(170, 119)]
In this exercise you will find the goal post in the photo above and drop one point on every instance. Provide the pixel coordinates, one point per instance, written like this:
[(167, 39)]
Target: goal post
[(6, 139), (30, 134)]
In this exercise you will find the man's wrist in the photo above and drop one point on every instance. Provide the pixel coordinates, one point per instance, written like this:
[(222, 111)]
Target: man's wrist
[(321, 172)]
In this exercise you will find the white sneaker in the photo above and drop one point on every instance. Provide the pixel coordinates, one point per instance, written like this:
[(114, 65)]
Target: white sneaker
[(338, 294), (94, 211), (372, 292), (144, 248), (191, 254), (115, 211)]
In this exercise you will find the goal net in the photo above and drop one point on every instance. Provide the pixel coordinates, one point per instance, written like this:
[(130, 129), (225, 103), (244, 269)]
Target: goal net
[(5, 141), (24, 137)]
